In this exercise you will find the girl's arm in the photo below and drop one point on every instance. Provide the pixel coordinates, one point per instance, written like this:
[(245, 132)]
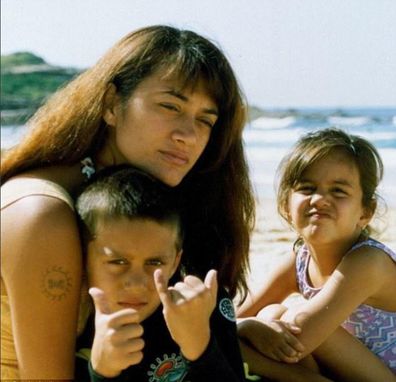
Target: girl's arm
[(347, 359), (342, 357), (41, 268), (360, 275), (277, 286), (267, 367), (272, 337)]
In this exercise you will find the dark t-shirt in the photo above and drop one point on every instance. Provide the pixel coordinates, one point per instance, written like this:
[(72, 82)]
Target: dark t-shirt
[(163, 362)]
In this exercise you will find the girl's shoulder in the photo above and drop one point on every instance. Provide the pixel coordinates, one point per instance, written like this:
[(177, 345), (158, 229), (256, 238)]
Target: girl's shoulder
[(373, 246), (370, 261), (19, 188)]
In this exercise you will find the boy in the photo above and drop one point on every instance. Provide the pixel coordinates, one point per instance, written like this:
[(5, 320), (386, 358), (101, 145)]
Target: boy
[(133, 238)]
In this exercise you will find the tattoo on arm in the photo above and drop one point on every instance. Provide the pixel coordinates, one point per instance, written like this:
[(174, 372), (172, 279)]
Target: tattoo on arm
[(56, 283)]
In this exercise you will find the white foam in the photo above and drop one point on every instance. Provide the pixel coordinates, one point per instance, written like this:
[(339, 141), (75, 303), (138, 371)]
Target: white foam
[(272, 123)]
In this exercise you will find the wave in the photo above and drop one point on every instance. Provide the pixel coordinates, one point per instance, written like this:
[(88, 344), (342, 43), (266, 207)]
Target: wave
[(348, 121), (255, 137), (272, 122)]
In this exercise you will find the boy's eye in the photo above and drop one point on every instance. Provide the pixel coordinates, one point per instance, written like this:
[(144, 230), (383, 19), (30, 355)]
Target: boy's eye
[(118, 262), (155, 262)]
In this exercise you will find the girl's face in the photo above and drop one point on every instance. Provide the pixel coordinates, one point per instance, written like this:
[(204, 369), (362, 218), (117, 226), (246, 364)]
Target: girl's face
[(123, 257), (326, 204), (163, 128)]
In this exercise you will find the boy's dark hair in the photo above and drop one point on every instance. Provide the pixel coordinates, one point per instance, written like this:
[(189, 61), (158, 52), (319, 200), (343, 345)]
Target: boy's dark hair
[(126, 192)]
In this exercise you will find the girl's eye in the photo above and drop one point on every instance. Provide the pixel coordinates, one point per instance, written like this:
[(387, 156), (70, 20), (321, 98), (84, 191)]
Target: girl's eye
[(339, 192), (305, 189)]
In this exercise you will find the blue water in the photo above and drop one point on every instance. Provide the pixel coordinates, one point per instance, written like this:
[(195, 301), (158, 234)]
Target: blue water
[(268, 139)]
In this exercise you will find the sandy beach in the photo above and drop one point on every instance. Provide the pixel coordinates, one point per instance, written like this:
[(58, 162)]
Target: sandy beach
[(273, 239)]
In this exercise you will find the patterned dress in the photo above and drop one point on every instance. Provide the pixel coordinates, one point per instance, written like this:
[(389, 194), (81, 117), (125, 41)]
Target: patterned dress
[(376, 328)]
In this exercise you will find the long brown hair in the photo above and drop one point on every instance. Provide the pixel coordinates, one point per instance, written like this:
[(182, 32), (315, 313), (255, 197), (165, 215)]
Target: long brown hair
[(220, 209)]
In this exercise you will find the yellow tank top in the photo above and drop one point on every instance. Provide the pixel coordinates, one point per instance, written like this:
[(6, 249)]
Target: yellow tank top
[(12, 191)]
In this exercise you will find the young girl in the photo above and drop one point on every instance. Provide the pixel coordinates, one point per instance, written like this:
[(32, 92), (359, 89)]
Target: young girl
[(327, 193)]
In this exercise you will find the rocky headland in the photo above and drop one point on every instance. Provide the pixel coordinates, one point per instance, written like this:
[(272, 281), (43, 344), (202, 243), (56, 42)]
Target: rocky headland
[(26, 82)]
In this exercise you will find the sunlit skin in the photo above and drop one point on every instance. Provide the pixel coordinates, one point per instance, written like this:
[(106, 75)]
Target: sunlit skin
[(123, 257), (325, 207), (162, 129)]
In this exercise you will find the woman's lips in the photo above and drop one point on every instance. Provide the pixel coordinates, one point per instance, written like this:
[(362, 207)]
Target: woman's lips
[(175, 157)]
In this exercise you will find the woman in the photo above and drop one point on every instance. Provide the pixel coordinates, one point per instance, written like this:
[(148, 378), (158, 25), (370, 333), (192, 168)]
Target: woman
[(162, 99)]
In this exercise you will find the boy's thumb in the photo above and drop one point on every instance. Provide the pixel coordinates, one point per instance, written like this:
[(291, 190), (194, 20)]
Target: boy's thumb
[(211, 281), (100, 300)]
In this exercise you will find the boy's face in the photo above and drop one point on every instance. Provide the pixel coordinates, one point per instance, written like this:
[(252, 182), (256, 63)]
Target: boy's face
[(123, 257)]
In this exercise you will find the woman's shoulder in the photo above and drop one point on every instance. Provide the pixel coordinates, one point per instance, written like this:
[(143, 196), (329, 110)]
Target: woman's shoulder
[(18, 188), (33, 209)]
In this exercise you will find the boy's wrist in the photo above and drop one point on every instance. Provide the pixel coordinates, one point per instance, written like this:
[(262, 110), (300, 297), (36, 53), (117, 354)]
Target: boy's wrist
[(195, 348), (97, 376), (105, 373)]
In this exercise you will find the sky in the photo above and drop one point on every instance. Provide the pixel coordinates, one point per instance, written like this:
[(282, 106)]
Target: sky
[(285, 53)]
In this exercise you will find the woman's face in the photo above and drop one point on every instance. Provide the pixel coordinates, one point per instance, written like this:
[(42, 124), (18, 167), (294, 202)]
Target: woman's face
[(162, 128)]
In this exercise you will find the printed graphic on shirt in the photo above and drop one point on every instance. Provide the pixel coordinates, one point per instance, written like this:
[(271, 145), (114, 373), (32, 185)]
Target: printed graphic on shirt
[(168, 369), (226, 308)]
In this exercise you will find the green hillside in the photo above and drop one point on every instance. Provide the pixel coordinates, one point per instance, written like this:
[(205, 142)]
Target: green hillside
[(20, 58), (26, 82)]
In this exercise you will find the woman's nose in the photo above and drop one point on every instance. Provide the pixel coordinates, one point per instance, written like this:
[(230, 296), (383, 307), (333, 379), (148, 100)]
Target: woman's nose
[(185, 131)]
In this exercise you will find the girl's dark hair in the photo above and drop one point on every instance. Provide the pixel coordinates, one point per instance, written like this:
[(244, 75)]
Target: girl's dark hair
[(218, 192)]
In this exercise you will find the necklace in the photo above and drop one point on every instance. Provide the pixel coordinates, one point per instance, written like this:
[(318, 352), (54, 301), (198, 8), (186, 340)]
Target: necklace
[(87, 167)]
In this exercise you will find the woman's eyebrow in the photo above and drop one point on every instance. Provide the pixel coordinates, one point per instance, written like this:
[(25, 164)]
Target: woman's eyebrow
[(184, 98)]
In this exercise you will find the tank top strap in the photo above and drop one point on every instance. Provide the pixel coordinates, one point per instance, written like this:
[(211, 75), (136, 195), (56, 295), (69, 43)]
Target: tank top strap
[(375, 244), (18, 188)]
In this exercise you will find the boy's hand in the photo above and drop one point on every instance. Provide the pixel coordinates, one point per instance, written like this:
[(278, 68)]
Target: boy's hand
[(187, 307), (117, 343), (275, 339)]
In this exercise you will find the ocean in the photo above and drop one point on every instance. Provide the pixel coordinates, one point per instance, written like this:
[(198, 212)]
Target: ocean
[(267, 139)]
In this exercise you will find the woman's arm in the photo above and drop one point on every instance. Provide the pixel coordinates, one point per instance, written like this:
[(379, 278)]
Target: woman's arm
[(360, 275), (41, 268), (277, 286)]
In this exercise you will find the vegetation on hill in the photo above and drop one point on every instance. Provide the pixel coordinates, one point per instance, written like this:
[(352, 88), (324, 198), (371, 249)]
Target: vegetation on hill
[(20, 58), (26, 82)]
